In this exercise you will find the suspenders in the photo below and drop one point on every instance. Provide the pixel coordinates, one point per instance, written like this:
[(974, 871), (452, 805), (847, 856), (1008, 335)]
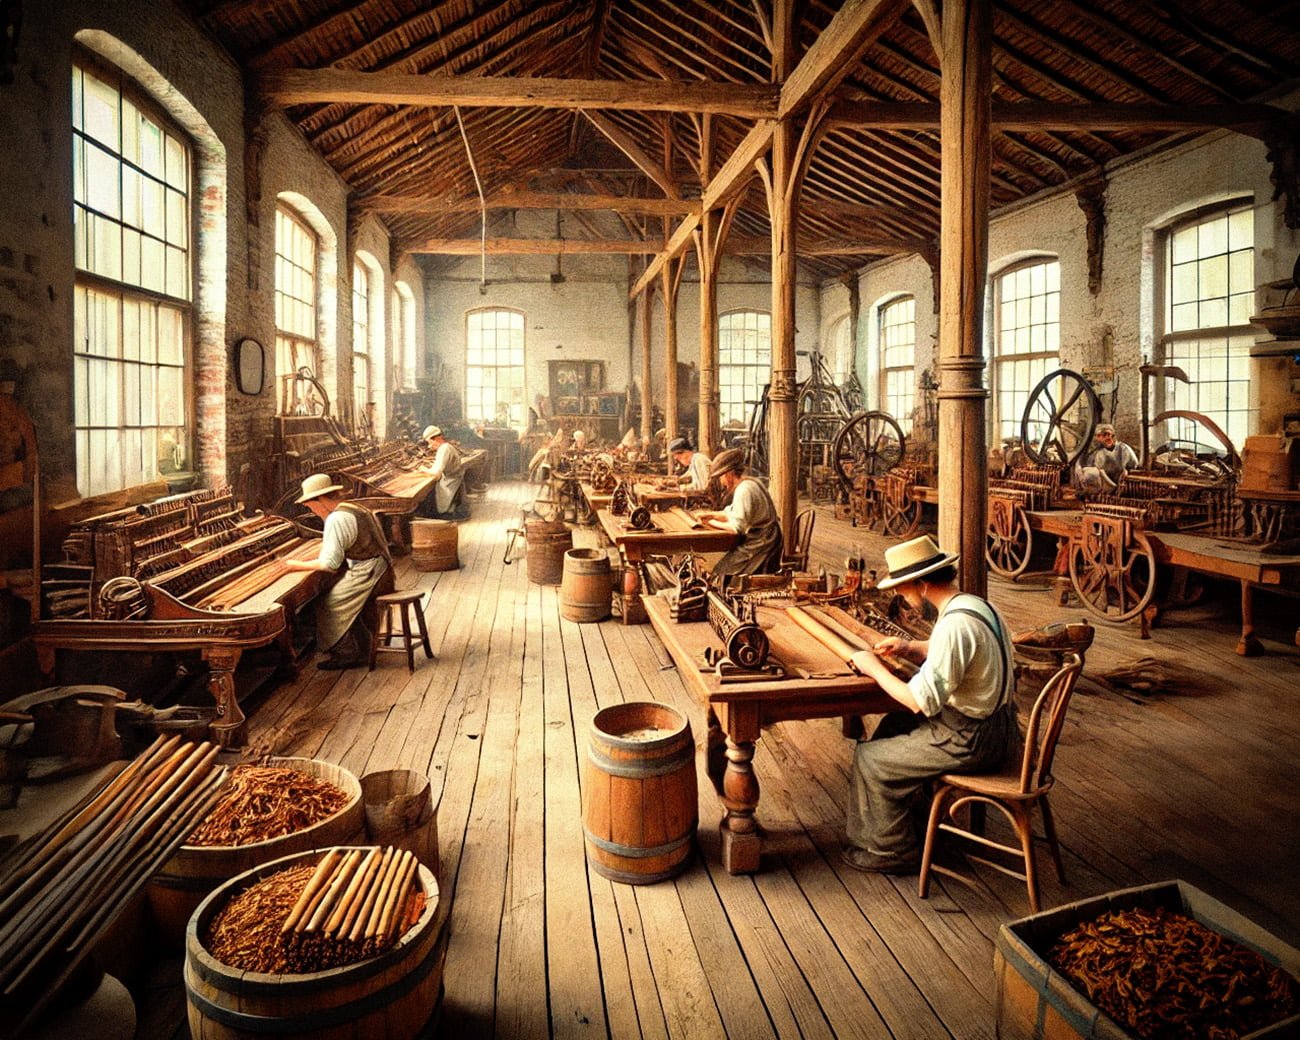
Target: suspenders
[(1002, 649)]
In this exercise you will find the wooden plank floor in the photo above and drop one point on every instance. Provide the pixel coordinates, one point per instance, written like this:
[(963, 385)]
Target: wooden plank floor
[(1199, 784)]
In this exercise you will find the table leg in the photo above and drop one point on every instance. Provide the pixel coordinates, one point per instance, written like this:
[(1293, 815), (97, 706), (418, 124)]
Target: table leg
[(715, 752), (1248, 646), (229, 727), (633, 609), (740, 839)]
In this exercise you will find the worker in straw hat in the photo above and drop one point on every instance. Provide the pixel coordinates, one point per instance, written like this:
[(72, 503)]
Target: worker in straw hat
[(355, 541), (695, 464), (960, 711), (748, 511), (448, 468)]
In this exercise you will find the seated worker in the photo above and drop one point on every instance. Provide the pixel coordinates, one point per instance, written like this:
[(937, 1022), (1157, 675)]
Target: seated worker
[(695, 464), (446, 502), (1103, 467), (579, 440), (960, 710), (751, 513), (353, 536)]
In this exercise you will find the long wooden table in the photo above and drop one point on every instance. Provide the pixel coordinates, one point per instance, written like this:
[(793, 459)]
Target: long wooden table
[(818, 686), (670, 534), (649, 494)]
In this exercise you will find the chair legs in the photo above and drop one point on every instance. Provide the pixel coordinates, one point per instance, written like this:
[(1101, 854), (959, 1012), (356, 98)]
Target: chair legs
[(385, 632), (1019, 815)]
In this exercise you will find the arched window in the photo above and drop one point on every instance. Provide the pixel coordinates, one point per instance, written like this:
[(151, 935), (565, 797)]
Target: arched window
[(744, 363), (1026, 338), (897, 337), (1209, 291), (403, 336), (494, 367), (360, 337), (296, 254), (133, 314)]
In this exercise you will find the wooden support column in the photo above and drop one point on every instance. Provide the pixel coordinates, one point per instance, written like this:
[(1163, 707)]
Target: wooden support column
[(965, 119), (709, 239), (645, 303), (671, 280), (782, 439)]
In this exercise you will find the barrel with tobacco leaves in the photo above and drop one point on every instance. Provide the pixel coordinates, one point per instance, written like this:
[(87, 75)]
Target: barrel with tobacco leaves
[(333, 943), (268, 810)]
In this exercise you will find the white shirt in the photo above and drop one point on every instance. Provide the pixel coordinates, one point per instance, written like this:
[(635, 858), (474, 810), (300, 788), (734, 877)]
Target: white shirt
[(964, 667), (749, 506), (449, 471), (340, 532), (698, 470)]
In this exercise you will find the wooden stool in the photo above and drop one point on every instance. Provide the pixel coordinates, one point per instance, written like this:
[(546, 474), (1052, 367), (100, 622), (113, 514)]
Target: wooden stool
[(385, 633)]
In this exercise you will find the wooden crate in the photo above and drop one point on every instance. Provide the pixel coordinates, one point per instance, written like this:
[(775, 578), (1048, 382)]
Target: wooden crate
[(1035, 1002)]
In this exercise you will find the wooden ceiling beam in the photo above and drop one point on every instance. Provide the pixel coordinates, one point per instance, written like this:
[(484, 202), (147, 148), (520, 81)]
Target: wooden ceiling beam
[(626, 144), (826, 62), (1048, 115), (330, 86), (736, 245), (433, 205)]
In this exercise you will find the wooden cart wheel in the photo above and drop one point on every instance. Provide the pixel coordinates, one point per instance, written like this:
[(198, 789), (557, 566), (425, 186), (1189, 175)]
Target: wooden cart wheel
[(1010, 538), (868, 444), (1059, 420), (901, 515), (1112, 568)]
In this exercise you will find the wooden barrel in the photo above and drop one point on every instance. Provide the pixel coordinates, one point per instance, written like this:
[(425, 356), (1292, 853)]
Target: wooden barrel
[(639, 807), (195, 870), (548, 541), (399, 812), (389, 997), (433, 545), (587, 587)]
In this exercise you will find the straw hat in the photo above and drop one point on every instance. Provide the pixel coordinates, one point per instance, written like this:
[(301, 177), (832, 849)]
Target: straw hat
[(731, 459), (914, 559), (431, 431), (316, 485), (678, 444)]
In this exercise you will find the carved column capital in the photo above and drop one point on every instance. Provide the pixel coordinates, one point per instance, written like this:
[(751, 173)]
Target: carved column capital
[(784, 385)]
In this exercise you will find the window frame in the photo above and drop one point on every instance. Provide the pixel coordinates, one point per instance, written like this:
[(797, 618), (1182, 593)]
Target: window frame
[(517, 410), (1237, 338), (136, 382), (293, 349), (755, 374), (362, 371), (1038, 362), (900, 406)]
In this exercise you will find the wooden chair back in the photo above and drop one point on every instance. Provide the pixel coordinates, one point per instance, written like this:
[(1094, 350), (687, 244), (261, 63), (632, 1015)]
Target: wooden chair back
[(1043, 729), (803, 531)]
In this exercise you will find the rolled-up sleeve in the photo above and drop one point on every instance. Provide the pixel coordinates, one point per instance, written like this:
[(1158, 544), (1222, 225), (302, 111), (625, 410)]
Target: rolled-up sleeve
[(950, 653)]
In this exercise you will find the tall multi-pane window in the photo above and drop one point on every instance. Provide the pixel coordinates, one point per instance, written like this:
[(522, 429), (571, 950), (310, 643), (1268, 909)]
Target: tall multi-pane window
[(360, 338), (296, 249), (1026, 338), (494, 367), (744, 363), (1209, 290), (897, 359), (132, 226), (403, 335)]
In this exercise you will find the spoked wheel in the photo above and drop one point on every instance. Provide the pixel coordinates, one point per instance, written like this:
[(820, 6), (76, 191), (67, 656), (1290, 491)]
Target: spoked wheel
[(1059, 419), (900, 512), (1112, 568), (868, 444), (1010, 538)]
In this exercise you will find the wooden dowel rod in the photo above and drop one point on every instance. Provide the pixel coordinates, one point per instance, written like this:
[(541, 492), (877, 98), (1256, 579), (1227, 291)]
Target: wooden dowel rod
[(357, 924), (337, 885), (323, 870), (821, 633), (354, 890)]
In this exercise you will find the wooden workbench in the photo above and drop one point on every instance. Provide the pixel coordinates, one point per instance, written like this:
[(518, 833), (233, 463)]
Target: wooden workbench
[(819, 685), (670, 535)]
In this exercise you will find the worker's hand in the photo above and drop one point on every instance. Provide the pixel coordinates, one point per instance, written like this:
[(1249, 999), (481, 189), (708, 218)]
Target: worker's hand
[(893, 646), (864, 662)]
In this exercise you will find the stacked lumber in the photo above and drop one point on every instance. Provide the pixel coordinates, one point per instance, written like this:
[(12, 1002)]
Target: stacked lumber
[(63, 888)]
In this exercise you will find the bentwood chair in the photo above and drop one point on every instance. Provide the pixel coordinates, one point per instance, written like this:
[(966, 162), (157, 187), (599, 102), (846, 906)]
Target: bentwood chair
[(803, 530), (1015, 790)]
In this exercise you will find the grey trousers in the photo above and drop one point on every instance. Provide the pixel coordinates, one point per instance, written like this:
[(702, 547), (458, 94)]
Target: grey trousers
[(891, 771)]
